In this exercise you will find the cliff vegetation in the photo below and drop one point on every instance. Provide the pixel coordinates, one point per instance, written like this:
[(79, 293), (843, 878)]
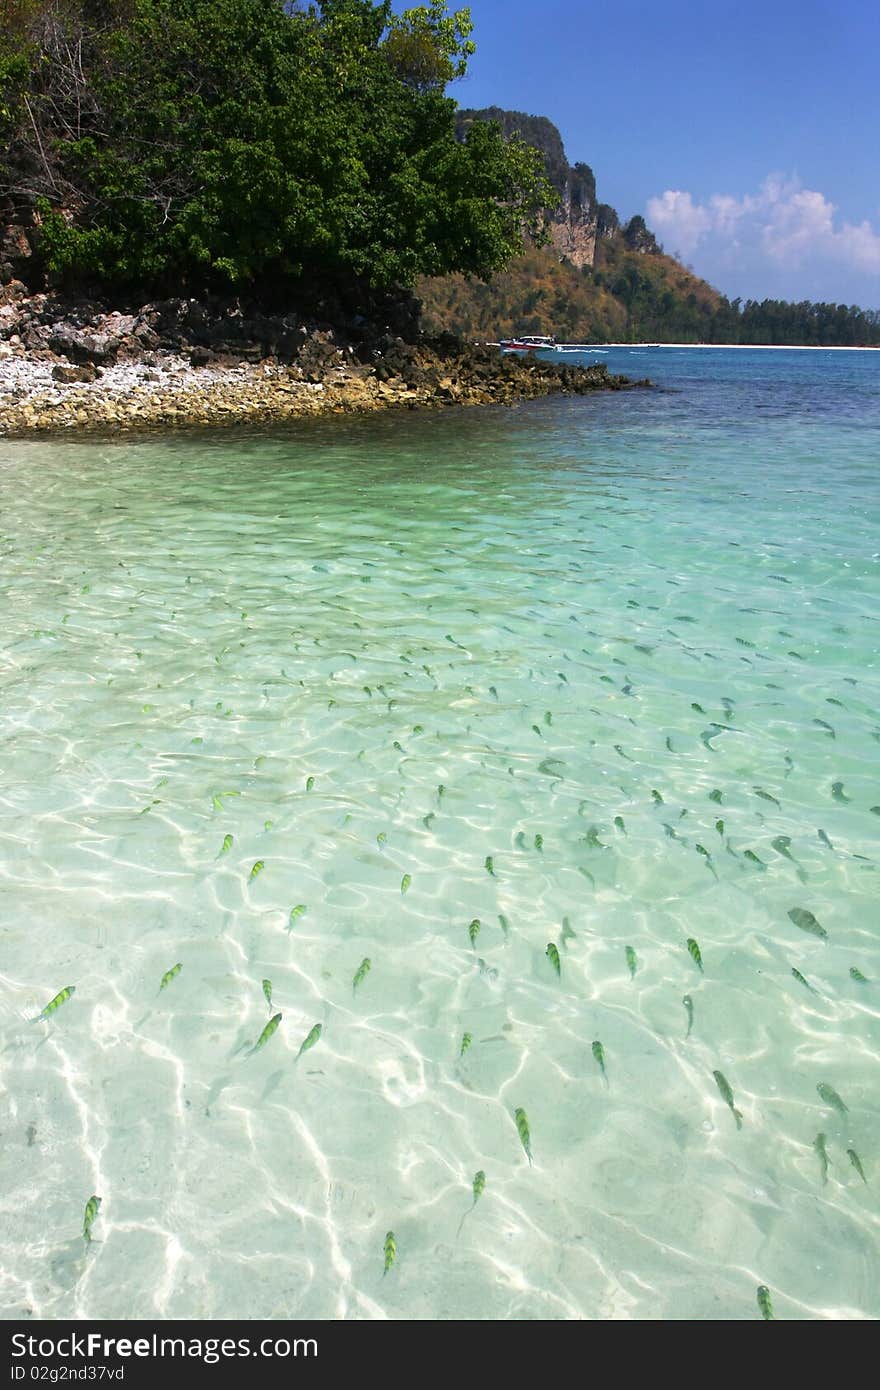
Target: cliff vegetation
[(600, 281)]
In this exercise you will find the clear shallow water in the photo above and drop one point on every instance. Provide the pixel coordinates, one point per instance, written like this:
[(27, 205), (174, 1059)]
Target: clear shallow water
[(602, 627)]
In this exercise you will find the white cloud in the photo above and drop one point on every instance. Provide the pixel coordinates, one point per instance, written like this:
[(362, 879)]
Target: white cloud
[(782, 234), (679, 216)]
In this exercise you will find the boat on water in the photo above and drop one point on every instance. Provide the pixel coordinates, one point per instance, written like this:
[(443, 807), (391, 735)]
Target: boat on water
[(533, 343), (529, 343)]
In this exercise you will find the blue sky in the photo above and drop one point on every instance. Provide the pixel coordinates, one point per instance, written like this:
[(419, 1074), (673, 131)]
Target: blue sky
[(747, 134)]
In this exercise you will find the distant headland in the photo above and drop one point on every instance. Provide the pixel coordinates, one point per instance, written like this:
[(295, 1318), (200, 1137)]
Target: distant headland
[(190, 236)]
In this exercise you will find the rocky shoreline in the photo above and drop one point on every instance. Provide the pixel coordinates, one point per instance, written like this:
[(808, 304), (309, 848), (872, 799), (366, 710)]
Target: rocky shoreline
[(74, 368)]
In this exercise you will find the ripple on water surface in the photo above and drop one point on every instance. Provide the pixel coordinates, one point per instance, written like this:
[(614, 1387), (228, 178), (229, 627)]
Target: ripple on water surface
[(436, 695)]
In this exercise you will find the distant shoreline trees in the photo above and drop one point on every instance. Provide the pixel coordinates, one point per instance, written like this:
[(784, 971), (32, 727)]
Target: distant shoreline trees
[(656, 310), (631, 297)]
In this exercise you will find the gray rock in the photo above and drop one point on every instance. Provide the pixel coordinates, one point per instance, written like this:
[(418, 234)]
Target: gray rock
[(81, 347)]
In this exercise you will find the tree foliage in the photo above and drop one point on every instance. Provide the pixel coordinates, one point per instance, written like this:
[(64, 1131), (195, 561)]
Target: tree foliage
[(197, 143), (428, 48)]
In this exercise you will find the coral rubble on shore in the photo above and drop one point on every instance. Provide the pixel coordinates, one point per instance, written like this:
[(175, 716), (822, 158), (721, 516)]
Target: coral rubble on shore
[(180, 363)]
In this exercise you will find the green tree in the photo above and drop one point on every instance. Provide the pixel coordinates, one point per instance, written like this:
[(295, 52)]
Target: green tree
[(428, 48), (240, 142)]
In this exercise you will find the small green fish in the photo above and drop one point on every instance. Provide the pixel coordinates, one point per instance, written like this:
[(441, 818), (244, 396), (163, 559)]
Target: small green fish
[(753, 859), (474, 931), (312, 1037), (466, 1040), (539, 843), (765, 796), (701, 849), (689, 1010), (216, 799), (802, 981), (632, 962), (727, 1096), (856, 1163), (93, 1206), (505, 925), (764, 1303), (361, 973), (478, 1187), (719, 826), (381, 838), (830, 1097), (170, 975), (782, 845), (807, 922), (60, 998), (715, 796), (226, 846), (658, 799), (295, 914), (599, 1054), (267, 992), (618, 821), (694, 952), (310, 782), (857, 975), (824, 838), (552, 955), (257, 868), (405, 882), (522, 1129), (819, 1145), (266, 1034), (390, 1248), (838, 793), (489, 865)]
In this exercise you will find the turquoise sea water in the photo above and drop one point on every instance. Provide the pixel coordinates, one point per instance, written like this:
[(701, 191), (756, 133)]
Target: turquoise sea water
[(437, 691)]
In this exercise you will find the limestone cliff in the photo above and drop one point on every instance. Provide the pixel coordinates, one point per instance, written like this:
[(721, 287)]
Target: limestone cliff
[(575, 223)]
